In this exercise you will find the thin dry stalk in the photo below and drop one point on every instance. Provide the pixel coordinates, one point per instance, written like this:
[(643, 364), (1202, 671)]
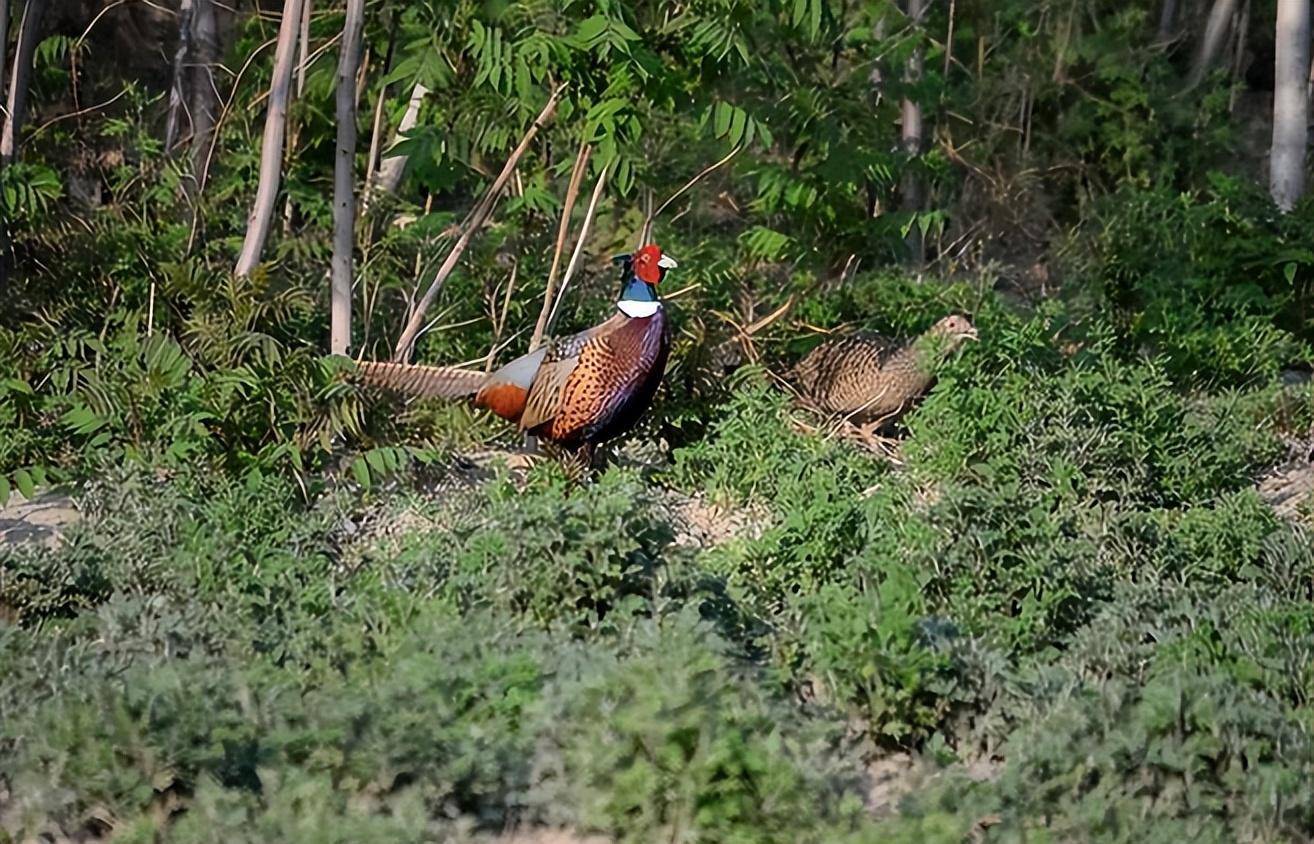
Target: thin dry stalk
[(579, 245), (703, 174), (406, 343), (563, 229), (499, 320)]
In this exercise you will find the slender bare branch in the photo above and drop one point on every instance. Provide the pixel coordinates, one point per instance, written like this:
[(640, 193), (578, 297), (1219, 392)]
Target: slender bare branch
[(912, 134), (1167, 21), (203, 95), (499, 320), (703, 174), (406, 342), (563, 229), (598, 187)]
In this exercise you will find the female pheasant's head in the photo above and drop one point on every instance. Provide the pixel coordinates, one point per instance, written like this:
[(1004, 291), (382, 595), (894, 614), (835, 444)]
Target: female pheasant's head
[(945, 337), (640, 275)]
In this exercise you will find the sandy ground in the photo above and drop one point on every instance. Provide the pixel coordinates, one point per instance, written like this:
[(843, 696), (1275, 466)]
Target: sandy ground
[(43, 519)]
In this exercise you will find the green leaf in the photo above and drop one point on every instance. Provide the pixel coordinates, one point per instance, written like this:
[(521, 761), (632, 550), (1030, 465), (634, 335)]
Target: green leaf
[(721, 119), (23, 480), (737, 126), (590, 29), (361, 471), (4, 490)]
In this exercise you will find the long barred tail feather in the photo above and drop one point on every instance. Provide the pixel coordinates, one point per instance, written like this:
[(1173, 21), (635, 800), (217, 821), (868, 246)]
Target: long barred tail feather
[(448, 382)]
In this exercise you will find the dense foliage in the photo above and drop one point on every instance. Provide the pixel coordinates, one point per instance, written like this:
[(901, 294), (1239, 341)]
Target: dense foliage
[(294, 610)]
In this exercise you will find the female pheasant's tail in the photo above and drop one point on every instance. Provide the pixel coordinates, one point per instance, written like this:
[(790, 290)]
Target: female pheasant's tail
[(448, 382)]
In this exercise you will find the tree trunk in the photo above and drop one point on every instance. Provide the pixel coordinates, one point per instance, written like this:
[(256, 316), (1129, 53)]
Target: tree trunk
[(389, 175), (1211, 42), (911, 135), (202, 96), (4, 41), (1290, 103), (178, 90), (1241, 23), (28, 30), (1311, 84), (344, 200), (271, 149), (1167, 19), (293, 125)]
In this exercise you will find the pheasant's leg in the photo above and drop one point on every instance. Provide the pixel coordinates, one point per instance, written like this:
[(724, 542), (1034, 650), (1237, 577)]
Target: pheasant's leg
[(866, 435)]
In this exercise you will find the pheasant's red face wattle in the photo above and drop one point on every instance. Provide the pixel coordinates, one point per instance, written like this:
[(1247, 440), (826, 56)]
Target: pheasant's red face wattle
[(646, 263)]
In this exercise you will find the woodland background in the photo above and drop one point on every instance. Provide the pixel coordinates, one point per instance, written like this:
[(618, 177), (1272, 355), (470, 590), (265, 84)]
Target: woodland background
[(292, 610)]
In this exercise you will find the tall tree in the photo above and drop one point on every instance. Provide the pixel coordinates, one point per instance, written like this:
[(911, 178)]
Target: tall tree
[(19, 76), (202, 97), (1211, 42), (178, 88), (911, 133), (1290, 103), (344, 200), (271, 149)]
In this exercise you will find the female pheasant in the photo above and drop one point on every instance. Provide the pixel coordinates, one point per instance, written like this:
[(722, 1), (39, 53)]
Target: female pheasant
[(868, 380), (577, 391)]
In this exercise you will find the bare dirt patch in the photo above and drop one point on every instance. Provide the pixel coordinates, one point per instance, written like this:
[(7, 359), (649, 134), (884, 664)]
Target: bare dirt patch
[(43, 519)]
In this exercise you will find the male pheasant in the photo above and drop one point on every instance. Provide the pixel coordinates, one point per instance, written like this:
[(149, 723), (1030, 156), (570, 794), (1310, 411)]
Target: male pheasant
[(869, 380), (577, 391)]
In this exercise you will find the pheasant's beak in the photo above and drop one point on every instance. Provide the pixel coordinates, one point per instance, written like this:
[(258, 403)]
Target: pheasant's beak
[(970, 334), (667, 262)]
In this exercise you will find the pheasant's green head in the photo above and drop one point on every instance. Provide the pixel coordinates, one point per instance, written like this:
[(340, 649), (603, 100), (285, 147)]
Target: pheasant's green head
[(642, 272)]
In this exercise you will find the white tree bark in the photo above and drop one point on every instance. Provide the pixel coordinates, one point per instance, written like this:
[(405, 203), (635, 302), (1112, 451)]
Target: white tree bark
[(19, 77), (911, 134), (344, 200), (1290, 103), (271, 149), (389, 175), (1211, 42)]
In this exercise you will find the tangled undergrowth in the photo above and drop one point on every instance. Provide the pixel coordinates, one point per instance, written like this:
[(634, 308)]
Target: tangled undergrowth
[(1069, 580)]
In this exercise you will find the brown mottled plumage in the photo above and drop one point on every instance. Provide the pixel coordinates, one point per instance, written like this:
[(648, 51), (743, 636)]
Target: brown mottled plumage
[(867, 378)]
